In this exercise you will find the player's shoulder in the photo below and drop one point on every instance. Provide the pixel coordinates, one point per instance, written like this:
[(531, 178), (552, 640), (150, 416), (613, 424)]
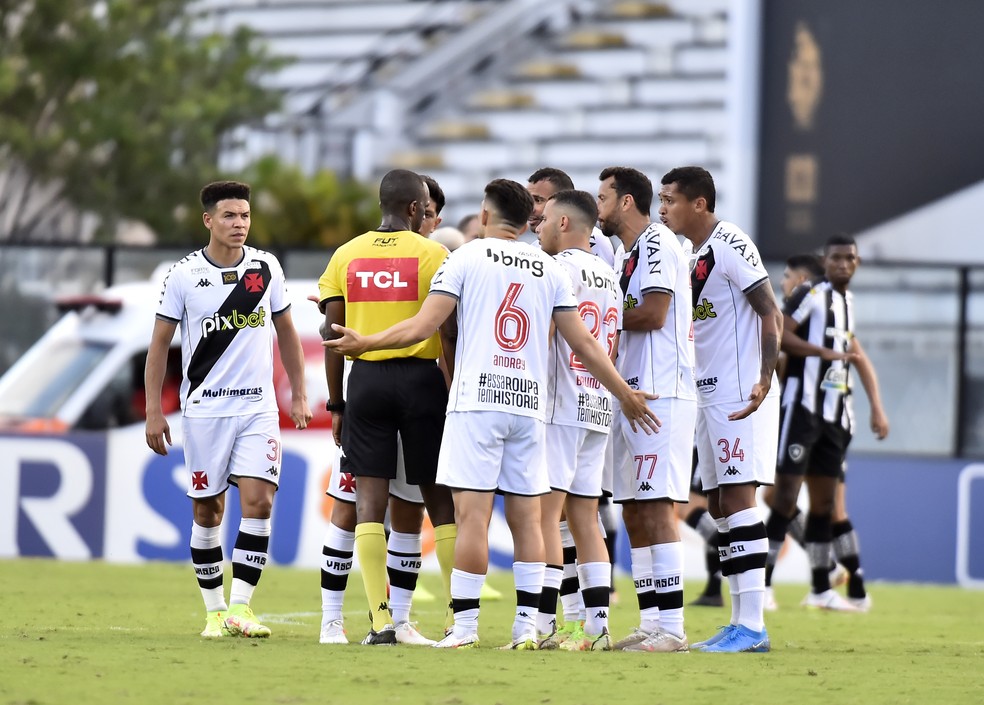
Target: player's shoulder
[(252, 254), (192, 264)]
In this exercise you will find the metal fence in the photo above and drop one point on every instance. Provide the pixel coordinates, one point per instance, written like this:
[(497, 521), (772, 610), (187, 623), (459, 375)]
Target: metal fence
[(923, 327)]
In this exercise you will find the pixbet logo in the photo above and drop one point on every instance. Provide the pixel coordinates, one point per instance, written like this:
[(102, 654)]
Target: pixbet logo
[(233, 321), (383, 279)]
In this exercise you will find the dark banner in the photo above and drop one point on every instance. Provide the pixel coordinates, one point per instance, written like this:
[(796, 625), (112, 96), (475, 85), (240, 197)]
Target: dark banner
[(869, 110)]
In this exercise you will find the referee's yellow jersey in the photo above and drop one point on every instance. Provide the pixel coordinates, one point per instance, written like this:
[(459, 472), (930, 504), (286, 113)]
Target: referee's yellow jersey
[(384, 278)]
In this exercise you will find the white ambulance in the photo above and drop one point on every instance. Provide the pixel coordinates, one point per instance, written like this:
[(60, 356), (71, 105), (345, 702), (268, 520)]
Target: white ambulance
[(86, 371)]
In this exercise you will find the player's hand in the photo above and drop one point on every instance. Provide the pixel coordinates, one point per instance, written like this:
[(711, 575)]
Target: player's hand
[(755, 399), (350, 343), (636, 410), (879, 424), (300, 413), (157, 433), (336, 427)]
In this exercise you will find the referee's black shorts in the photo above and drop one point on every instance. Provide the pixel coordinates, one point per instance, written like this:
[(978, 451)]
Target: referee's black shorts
[(403, 395), (810, 445)]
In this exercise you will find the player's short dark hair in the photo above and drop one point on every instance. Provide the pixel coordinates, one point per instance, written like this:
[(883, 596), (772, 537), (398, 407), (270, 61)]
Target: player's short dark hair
[(221, 190), (463, 223), (558, 178), (580, 201), (631, 182), (806, 261), (436, 193), (839, 239), (399, 188), (693, 182), (511, 201)]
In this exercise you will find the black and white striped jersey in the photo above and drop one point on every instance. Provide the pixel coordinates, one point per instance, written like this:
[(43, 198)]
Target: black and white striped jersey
[(825, 318)]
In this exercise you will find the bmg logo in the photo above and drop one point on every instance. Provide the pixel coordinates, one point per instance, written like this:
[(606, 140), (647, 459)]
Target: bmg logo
[(233, 321)]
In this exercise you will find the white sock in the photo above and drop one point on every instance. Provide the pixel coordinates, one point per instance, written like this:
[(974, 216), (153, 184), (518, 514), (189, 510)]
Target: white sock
[(336, 564), (402, 568), (529, 582), (465, 591), (206, 556), (668, 583), (642, 576), (596, 583)]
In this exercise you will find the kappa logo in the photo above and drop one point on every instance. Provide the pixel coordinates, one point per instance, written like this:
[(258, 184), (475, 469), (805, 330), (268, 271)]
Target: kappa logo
[(272, 470), (645, 487), (383, 279), (732, 470), (796, 452), (601, 614), (202, 283)]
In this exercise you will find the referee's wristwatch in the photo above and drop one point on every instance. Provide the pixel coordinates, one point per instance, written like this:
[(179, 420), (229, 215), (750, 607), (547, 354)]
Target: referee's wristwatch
[(339, 407)]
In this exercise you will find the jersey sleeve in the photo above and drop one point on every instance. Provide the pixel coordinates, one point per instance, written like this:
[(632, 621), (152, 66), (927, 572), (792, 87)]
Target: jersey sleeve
[(743, 267), (279, 302), (657, 271), (800, 303), (172, 302), (564, 298), (331, 285), (450, 276)]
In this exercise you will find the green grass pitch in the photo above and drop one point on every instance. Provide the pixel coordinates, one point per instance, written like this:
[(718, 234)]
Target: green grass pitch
[(75, 633)]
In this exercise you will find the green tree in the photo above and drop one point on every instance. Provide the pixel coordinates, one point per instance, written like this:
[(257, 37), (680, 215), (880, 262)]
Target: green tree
[(117, 108), (290, 208)]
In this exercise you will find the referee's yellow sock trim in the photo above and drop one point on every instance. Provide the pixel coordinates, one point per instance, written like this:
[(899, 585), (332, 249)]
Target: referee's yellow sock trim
[(370, 547), (444, 537)]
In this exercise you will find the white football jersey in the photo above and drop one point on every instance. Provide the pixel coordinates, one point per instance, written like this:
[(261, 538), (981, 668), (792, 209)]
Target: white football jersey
[(602, 247), (658, 361), (727, 331), (574, 396), (226, 318), (507, 292)]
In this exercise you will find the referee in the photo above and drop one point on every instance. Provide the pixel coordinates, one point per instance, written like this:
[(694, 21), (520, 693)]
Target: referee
[(372, 282)]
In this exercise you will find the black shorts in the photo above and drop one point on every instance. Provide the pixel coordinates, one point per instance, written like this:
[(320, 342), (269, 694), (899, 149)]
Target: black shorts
[(809, 445), (404, 395)]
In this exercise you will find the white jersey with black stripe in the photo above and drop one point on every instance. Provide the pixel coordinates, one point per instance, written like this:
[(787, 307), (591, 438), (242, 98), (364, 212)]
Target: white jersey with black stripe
[(727, 331), (658, 361), (226, 319)]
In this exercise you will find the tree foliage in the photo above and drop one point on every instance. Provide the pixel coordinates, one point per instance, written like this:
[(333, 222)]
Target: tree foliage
[(289, 208), (117, 108)]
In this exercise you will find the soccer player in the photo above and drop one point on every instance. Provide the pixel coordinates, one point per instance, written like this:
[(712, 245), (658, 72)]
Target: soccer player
[(506, 294), (228, 298), (379, 278), (800, 270), (656, 355), (579, 418), (435, 204), (737, 328), (544, 183), (818, 414), (471, 227)]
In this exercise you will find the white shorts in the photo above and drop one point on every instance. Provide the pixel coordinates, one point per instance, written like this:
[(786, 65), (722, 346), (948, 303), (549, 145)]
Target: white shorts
[(218, 450), (341, 482), (658, 465), (575, 459), (608, 472), (737, 452), (486, 451)]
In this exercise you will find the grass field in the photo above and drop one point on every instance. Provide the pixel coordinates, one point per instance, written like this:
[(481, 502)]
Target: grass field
[(96, 633)]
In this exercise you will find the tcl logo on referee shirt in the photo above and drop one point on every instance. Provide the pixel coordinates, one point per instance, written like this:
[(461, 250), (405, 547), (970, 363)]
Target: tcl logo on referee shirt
[(382, 279)]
